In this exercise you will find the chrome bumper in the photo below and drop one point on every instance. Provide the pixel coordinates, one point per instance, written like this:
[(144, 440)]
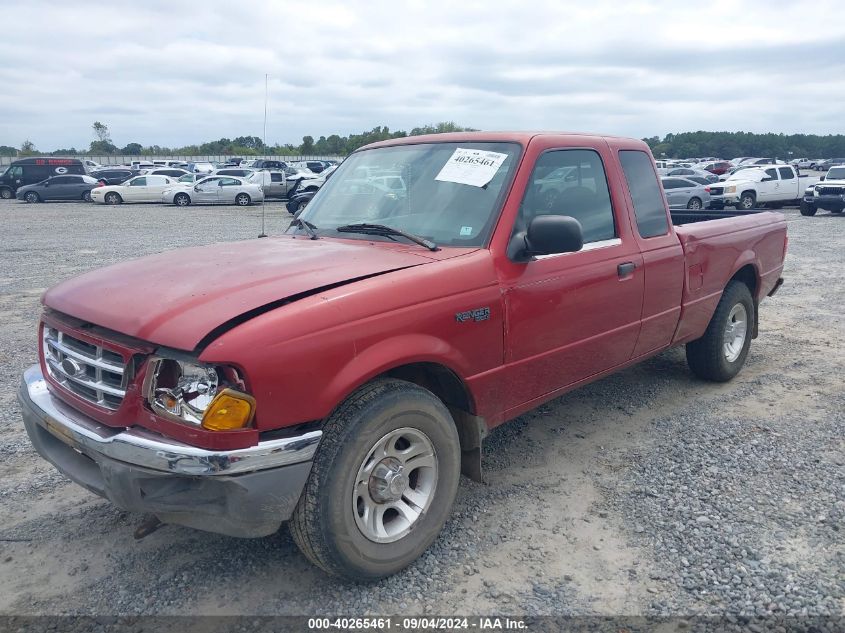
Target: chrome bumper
[(247, 492), (150, 450)]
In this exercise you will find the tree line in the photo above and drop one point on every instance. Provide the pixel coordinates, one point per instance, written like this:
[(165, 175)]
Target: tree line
[(681, 145), (734, 144), (333, 145)]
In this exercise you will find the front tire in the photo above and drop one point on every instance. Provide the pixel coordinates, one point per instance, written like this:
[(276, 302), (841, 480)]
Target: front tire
[(243, 200), (808, 209), (113, 198), (721, 352), (32, 197), (383, 482), (694, 204), (747, 201), (181, 200)]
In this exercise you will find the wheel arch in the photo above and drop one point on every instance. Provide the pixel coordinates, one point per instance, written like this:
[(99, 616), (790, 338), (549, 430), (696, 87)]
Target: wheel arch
[(749, 275), (439, 377)]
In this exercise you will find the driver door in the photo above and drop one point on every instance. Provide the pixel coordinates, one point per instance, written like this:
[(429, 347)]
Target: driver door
[(769, 186), (572, 315), (207, 190)]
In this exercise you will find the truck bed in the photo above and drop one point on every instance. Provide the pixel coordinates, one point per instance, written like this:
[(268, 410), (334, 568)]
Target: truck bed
[(682, 215)]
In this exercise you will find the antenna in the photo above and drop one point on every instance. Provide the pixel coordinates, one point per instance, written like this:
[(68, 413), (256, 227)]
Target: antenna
[(264, 141)]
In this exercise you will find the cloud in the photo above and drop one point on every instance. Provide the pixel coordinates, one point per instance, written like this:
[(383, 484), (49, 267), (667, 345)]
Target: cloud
[(173, 73)]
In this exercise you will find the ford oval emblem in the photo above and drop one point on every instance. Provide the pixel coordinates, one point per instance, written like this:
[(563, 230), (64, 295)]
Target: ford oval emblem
[(71, 367)]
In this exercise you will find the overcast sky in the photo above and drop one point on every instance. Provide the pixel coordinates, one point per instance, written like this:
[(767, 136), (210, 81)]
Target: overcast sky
[(173, 73)]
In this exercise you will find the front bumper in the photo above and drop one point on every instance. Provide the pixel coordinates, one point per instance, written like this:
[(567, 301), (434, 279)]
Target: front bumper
[(725, 200), (831, 203), (245, 492)]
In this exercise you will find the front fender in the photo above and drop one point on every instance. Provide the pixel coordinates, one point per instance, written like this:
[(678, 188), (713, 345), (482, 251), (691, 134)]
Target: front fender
[(390, 354)]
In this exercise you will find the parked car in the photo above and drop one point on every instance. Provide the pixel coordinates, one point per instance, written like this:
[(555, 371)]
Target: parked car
[(315, 166), (113, 176), (263, 163), (73, 187), (172, 172), (142, 165), (345, 374), (142, 188), (774, 185), (298, 201), (691, 171), (233, 161), (826, 164), (681, 192), (718, 167), (701, 180), (828, 194), (28, 171), (273, 182), (214, 190), (190, 179), (238, 172), (201, 168)]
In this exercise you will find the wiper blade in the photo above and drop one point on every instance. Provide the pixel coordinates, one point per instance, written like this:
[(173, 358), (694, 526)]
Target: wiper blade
[(383, 229), (307, 226)]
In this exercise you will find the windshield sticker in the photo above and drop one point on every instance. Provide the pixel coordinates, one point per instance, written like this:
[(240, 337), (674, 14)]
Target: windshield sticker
[(466, 230), (474, 167)]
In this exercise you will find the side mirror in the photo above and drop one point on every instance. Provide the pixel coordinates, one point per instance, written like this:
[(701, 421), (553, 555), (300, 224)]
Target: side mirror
[(196, 187), (768, 178), (821, 178), (547, 235), (219, 183)]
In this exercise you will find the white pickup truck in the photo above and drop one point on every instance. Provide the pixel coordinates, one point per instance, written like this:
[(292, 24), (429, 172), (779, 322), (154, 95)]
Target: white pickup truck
[(828, 193), (773, 186)]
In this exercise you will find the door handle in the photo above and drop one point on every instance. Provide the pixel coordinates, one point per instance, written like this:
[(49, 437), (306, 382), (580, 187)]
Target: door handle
[(623, 270)]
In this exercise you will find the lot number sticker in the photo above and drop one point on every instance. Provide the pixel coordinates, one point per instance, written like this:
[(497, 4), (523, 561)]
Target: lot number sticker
[(474, 167)]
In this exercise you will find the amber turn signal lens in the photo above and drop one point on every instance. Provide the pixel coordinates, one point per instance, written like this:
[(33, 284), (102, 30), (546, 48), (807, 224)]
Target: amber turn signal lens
[(228, 411)]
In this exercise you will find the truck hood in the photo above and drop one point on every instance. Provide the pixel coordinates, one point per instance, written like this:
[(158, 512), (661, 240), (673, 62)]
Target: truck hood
[(177, 298)]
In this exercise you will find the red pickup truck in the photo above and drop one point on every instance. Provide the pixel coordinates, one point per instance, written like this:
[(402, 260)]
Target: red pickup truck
[(342, 376)]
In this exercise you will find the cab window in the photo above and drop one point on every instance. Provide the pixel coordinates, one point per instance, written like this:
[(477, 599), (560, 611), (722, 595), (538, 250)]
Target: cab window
[(570, 182), (645, 193)]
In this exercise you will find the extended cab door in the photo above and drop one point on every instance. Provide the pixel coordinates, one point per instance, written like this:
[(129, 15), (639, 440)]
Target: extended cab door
[(571, 315), (663, 255)]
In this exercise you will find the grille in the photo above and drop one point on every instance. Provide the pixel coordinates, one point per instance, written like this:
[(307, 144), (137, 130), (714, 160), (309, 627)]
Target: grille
[(716, 191), (831, 191), (87, 370)]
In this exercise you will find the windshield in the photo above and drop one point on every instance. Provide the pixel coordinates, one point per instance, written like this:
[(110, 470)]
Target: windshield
[(836, 173), (449, 193)]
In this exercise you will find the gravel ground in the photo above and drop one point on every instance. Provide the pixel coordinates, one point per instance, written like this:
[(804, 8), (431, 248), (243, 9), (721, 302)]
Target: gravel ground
[(647, 493)]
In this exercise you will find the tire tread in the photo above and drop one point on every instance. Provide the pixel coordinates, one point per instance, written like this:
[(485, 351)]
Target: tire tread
[(704, 355)]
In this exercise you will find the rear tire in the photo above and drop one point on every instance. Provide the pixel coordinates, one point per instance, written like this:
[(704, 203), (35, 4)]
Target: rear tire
[(32, 197), (6, 194), (343, 523), (86, 197), (113, 198), (808, 209), (719, 355), (694, 204)]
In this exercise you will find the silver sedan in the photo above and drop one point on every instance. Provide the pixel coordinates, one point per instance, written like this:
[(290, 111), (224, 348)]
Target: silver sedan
[(681, 192), (214, 190)]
